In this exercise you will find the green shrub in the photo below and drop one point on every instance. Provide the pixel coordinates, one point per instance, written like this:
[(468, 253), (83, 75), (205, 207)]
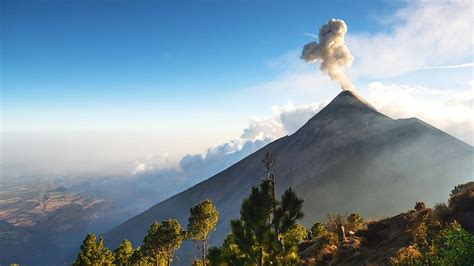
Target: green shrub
[(294, 235), (318, 229), (456, 246), (407, 256)]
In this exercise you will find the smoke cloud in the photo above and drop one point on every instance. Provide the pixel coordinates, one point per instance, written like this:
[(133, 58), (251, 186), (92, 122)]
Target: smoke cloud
[(331, 52)]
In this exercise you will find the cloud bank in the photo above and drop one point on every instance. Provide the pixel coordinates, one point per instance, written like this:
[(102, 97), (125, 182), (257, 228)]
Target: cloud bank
[(424, 33), (286, 119)]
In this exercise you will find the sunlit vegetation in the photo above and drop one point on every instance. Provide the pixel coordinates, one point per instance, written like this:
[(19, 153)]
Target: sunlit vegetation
[(440, 239)]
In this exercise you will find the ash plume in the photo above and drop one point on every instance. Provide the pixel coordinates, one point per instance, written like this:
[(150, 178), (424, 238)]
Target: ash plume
[(331, 52)]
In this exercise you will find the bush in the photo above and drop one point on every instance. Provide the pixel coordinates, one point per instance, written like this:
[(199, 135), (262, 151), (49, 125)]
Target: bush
[(334, 220), (456, 246), (420, 206), (294, 235), (462, 198), (328, 239), (407, 256), (434, 246), (317, 229)]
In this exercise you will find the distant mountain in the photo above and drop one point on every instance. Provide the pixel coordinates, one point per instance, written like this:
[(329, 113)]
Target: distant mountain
[(348, 157)]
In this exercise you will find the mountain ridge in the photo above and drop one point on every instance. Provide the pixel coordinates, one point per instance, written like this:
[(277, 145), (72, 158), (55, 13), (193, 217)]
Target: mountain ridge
[(348, 157)]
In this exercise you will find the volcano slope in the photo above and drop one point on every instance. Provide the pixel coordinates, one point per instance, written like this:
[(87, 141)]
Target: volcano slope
[(347, 158)]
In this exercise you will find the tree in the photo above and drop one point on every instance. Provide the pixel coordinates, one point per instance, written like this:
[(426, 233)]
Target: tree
[(354, 221), (215, 256), (138, 258), (163, 240), (94, 253), (201, 223), (123, 253), (252, 231), (228, 254), (258, 236), (263, 220), (288, 211), (150, 246)]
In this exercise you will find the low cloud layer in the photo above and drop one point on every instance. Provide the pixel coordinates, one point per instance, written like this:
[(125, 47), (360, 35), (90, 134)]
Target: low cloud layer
[(286, 119)]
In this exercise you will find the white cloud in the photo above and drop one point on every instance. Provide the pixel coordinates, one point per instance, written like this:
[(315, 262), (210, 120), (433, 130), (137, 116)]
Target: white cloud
[(293, 117), (152, 162), (424, 33), (286, 119), (449, 110), (466, 65)]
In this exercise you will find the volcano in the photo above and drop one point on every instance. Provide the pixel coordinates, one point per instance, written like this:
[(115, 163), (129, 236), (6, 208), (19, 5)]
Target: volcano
[(347, 158)]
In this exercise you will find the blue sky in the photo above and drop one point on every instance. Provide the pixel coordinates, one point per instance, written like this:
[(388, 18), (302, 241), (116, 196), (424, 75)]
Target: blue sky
[(183, 76), (81, 57)]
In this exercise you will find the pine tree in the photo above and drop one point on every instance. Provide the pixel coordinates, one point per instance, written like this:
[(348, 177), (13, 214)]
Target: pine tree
[(252, 231), (106, 256), (94, 253), (163, 240), (288, 211), (354, 221), (123, 253), (263, 220), (138, 258), (202, 221), (228, 254)]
